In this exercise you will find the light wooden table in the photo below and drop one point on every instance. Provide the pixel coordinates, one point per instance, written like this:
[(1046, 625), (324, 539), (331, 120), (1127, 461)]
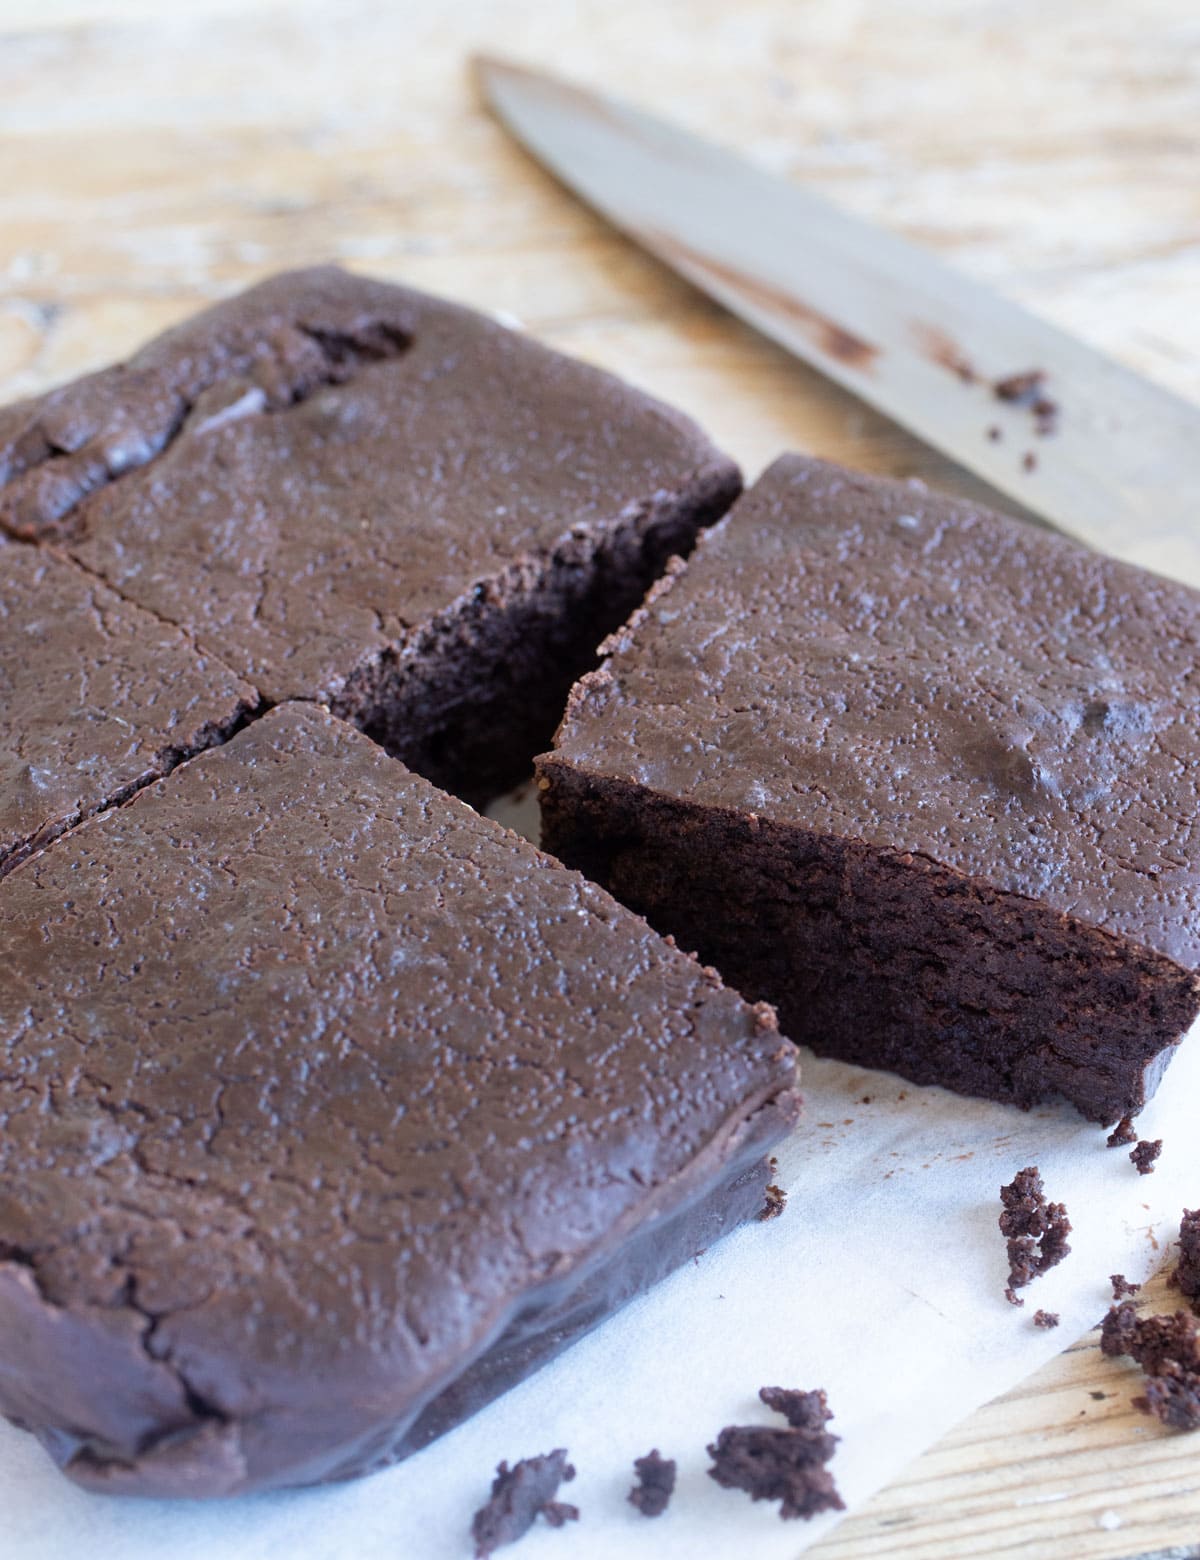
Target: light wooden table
[(154, 155)]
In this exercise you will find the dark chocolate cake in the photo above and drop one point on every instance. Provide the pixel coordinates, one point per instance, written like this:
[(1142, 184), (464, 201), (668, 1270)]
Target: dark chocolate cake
[(352, 492), (925, 777), (332, 1109)]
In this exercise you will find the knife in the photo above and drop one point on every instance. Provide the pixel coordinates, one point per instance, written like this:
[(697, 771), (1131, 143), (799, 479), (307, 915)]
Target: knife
[(1089, 445)]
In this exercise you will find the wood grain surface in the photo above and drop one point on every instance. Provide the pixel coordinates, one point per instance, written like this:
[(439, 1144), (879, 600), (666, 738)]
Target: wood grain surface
[(153, 157)]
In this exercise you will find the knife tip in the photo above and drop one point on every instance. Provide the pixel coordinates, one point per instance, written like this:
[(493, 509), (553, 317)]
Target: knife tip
[(487, 71)]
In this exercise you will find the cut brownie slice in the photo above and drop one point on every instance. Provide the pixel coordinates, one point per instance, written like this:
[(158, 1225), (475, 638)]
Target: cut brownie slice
[(331, 1109), (97, 698), (924, 776), (358, 494)]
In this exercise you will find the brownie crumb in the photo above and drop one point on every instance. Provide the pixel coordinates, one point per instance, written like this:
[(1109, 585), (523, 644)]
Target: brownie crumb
[(1020, 389), (656, 1483), (1122, 1287), (1144, 1155), (1187, 1274), (1122, 1133), (775, 1464), (771, 1463), (776, 1203), (1028, 461), (802, 1410), (1036, 1230), (520, 1495), (1166, 1347), (1045, 1319)]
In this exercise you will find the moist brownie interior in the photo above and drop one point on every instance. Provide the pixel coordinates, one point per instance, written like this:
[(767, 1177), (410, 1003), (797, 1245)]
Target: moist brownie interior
[(354, 493), (336, 1108), (921, 775)]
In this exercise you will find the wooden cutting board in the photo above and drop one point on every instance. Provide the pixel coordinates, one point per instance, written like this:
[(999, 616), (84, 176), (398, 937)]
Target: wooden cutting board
[(153, 156)]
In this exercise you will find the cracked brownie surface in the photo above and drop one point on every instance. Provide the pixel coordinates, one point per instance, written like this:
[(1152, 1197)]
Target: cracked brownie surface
[(924, 776), (356, 493), (97, 698), (332, 1108)]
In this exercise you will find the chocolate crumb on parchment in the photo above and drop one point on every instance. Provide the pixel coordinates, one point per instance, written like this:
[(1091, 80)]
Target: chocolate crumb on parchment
[(776, 1203), (771, 1463), (1168, 1350), (1028, 461), (656, 1483), (520, 1495), (1187, 1274), (1045, 1319), (802, 1410), (1121, 1286), (1144, 1155), (776, 1196), (1122, 1133), (1036, 1230)]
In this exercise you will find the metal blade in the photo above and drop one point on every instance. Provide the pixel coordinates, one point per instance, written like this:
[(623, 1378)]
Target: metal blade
[(907, 333)]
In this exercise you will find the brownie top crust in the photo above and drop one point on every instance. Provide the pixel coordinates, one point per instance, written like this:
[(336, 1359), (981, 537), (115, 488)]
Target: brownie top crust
[(312, 1078), (97, 697), (303, 475), (867, 659)]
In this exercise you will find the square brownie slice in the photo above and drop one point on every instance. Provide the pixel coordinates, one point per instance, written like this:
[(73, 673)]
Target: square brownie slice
[(97, 698), (358, 494), (925, 777), (332, 1109)]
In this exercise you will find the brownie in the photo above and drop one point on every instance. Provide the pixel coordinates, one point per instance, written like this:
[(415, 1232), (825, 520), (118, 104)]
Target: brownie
[(1187, 1274), (97, 698), (1035, 1230), (926, 777), (655, 1483), (807, 1411), (1168, 1350), (332, 1109), (520, 1495), (355, 493), (770, 1463)]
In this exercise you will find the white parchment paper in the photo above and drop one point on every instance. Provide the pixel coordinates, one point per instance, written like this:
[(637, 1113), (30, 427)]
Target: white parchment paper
[(882, 1282)]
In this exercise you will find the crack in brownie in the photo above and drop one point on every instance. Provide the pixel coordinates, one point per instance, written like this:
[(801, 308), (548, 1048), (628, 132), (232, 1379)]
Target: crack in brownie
[(97, 698), (925, 777), (331, 1109), (357, 494)]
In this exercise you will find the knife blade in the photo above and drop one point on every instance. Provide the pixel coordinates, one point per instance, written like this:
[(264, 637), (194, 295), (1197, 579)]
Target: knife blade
[(1091, 446)]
